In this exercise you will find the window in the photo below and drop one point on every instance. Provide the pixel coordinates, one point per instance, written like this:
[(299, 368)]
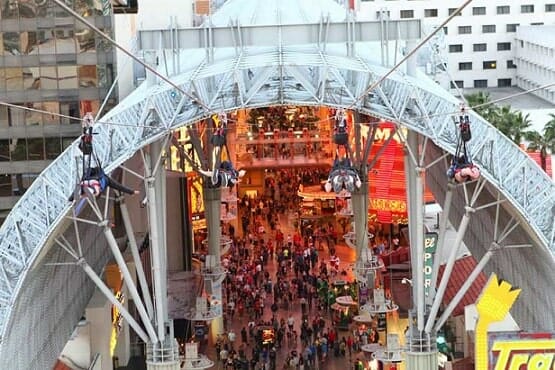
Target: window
[(504, 82), (512, 27), (536, 24), (510, 64), (504, 9), (382, 14), (446, 30), (527, 8), (489, 64), (480, 47), (479, 10), (463, 30), (453, 10), (503, 46), (550, 8), (465, 66), (488, 28), (456, 48), (480, 84), (430, 13), (458, 83), (407, 14)]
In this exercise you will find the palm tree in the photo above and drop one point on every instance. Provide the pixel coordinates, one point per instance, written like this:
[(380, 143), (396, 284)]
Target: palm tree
[(545, 143), (519, 126), (537, 142), (481, 101), (549, 132)]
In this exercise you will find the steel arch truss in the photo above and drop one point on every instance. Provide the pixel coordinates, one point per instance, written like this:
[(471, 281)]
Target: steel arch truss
[(252, 78)]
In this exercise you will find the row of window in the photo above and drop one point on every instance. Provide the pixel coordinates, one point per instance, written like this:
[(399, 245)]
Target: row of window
[(14, 185), (492, 28), (35, 149), (23, 118), (458, 48), (487, 64), (50, 78), (481, 84), (59, 40), (14, 9), (477, 10)]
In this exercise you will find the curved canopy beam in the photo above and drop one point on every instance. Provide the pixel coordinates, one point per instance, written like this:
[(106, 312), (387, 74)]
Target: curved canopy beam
[(265, 77)]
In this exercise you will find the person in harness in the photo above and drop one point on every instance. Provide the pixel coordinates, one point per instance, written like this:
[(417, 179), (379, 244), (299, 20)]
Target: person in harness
[(462, 169), (94, 180), (223, 173), (342, 174)]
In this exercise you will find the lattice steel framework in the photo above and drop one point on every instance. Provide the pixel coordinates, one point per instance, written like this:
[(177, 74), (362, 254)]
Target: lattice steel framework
[(291, 75)]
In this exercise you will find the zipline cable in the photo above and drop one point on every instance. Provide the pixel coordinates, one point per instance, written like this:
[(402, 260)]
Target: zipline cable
[(520, 93), (130, 54), (21, 107), (406, 57), (481, 105)]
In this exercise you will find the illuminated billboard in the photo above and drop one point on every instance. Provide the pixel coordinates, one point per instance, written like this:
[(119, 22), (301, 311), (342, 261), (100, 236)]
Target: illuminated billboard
[(521, 351)]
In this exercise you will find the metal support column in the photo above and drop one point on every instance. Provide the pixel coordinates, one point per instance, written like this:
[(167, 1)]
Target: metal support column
[(108, 294), (464, 288), (359, 200), (422, 350), (212, 204), (441, 240), (129, 281), (155, 244), (137, 259), (411, 62), (417, 213), (448, 268), (160, 188)]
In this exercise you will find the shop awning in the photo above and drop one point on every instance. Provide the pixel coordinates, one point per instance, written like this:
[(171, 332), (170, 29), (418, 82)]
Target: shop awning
[(461, 270)]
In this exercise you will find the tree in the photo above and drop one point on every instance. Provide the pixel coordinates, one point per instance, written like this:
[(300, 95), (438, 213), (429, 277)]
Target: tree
[(481, 101), (537, 142), (519, 127), (545, 143)]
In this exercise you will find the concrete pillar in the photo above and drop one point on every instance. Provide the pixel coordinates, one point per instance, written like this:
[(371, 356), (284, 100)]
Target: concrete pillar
[(99, 317), (212, 206), (360, 210), (411, 62)]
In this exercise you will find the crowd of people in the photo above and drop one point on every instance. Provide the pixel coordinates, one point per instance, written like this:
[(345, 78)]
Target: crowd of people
[(274, 272)]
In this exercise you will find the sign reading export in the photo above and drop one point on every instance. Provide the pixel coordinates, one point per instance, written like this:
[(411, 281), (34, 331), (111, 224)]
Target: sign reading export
[(522, 351)]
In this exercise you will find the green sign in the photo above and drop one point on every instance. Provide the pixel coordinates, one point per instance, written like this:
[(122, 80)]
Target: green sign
[(430, 245)]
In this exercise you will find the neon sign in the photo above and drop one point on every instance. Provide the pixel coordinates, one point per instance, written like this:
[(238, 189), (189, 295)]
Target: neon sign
[(522, 351)]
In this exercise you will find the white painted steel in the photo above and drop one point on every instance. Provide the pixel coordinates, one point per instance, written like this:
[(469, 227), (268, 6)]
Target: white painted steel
[(261, 77)]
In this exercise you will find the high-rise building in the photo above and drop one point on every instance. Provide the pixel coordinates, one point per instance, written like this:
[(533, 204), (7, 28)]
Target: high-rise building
[(479, 42), (51, 62)]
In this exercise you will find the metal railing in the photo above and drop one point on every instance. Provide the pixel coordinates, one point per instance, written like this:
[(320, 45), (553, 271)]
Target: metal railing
[(162, 353)]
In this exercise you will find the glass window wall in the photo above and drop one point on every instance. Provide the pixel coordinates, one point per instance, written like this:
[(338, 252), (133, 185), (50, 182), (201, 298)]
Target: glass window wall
[(87, 76), (35, 149), (53, 147), (48, 78), (12, 43)]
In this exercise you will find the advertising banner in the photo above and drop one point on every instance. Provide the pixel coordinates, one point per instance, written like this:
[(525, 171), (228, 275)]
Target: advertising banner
[(521, 351), (430, 246)]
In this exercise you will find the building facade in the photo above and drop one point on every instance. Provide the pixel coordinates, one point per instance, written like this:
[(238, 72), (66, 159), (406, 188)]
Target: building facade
[(48, 62), (535, 57), (479, 44)]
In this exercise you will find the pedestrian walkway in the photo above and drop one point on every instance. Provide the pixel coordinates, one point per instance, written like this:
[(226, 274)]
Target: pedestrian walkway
[(239, 322)]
